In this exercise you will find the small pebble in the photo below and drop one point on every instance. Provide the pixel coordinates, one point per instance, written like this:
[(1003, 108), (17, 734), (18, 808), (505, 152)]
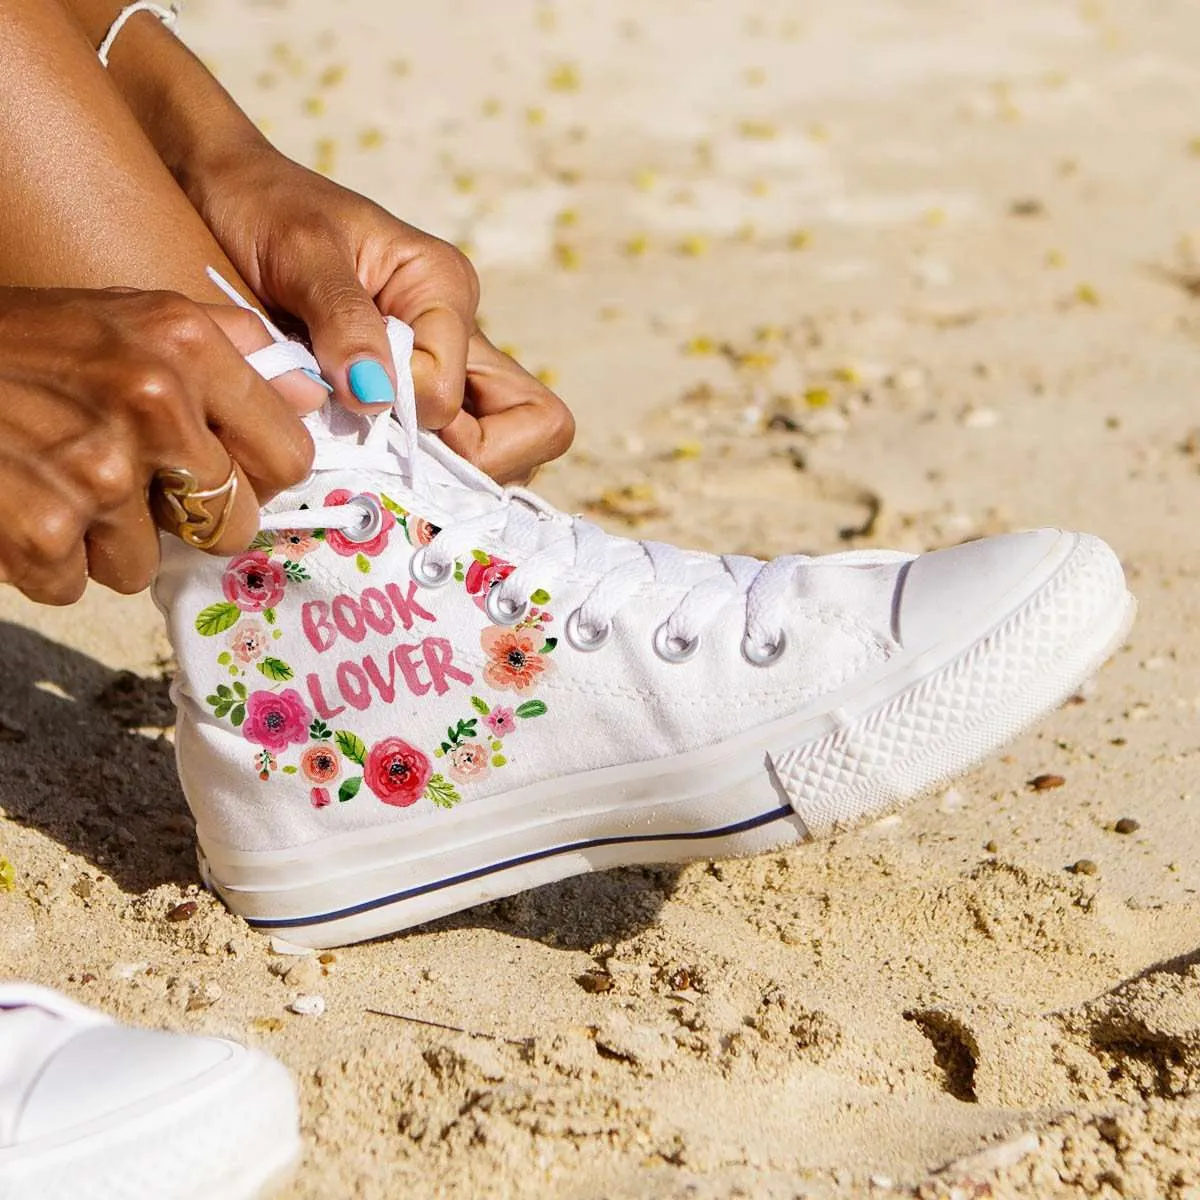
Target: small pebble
[(1044, 783), (307, 1006), (1127, 825), (183, 912), (991, 847), (595, 981), (304, 973), (681, 980), (1085, 866)]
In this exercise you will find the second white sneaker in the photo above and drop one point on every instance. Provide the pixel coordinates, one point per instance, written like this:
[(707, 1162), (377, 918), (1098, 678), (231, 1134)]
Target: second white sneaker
[(93, 1110), (418, 691)]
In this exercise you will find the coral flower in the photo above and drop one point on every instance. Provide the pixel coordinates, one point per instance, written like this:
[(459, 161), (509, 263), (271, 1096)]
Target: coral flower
[(514, 663)]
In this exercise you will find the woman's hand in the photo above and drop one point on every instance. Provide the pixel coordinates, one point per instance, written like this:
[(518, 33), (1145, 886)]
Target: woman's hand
[(98, 391), (338, 262)]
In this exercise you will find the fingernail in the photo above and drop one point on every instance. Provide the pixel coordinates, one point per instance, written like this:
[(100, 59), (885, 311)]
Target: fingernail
[(316, 378), (370, 383)]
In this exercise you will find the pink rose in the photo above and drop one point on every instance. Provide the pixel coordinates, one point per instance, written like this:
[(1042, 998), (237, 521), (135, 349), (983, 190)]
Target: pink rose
[(276, 720), (319, 763), (467, 762), (339, 543), (481, 578), (294, 544), (249, 642), (320, 797), (501, 721), (397, 772), (253, 582)]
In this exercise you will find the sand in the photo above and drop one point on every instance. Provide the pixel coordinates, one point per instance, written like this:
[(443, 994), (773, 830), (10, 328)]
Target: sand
[(812, 276)]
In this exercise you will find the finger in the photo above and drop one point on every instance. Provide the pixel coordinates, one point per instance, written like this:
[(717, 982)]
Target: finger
[(230, 514), (41, 540), (122, 548), (348, 334), (439, 365), (203, 384), (305, 391), (512, 423)]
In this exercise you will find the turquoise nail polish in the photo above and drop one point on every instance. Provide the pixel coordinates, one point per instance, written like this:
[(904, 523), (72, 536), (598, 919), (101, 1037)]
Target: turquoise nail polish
[(316, 378), (370, 383)]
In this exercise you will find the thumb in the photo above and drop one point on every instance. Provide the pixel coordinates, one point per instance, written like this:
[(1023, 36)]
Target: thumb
[(349, 338)]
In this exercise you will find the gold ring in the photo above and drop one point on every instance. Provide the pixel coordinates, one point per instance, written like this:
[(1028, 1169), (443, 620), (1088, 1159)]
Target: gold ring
[(180, 505)]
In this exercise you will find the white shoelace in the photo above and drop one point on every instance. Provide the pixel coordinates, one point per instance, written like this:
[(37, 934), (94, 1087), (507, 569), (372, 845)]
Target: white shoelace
[(544, 543)]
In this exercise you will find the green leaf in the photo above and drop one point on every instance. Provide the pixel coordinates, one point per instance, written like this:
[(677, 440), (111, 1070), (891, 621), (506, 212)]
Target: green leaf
[(221, 710), (213, 700), (440, 752), (238, 715), (452, 735), (481, 557), (319, 731), (233, 670), (498, 760), (392, 506), (541, 596), (480, 706), (352, 746), (240, 690), (531, 708), (444, 748), (458, 573), (269, 616), (223, 691), (225, 658), (442, 792), (349, 788), (276, 669), (217, 618), (495, 744), (295, 572), (277, 634), (290, 770), (363, 563), (548, 645), (263, 540)]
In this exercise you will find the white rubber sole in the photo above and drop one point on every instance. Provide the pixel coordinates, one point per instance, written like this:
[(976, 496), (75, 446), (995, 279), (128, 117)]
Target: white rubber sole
[(916, 722), (235, 1137)]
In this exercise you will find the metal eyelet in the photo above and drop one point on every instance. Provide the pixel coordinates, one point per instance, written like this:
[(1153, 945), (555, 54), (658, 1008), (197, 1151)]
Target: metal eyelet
[(583, 638), (764, 656), (672, 649), (418, 568), (371, 524), (503, 612)]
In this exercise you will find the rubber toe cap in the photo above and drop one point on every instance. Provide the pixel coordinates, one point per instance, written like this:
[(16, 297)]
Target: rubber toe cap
[(975, 585)]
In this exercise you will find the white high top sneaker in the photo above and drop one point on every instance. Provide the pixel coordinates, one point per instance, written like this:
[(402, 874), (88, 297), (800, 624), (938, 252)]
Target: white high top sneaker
[(92, 1110), (419, 691)]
